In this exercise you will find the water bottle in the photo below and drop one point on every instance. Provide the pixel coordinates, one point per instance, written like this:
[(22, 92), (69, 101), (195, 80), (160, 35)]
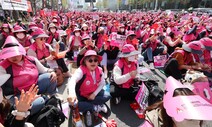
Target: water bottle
[(76, 116), (88, 119)]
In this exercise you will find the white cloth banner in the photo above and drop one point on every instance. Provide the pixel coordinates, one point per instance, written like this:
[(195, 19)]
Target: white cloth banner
[(14, 5)]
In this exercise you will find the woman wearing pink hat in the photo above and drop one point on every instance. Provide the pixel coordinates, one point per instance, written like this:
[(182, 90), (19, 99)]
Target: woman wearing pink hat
[(53, 34), (85, 86), (21, 35), (182, 60), (124, 73), (45, 53), (86, 44), (22, 68), (5, 32), (74, 43)]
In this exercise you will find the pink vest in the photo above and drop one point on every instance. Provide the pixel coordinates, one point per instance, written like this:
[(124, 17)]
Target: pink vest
[(22, 77), (99, 42), (51, 37), (88, 87), (73, 40), (122, 64), (41, 53)]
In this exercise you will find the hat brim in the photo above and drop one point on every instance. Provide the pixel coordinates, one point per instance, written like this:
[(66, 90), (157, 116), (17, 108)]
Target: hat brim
[(40, 35), (186, 48), (128, 54), (19, 31), (99, 58), (208, 48), (11, 52)]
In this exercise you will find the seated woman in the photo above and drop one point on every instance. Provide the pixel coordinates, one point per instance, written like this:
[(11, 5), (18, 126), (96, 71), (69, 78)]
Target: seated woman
[(182, 60), (124, 73), (85, 86), (86, 44), (152, 47), (44, 52), (24, 71)]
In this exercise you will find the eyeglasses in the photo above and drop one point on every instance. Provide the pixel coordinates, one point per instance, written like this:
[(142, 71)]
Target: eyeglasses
[(92, 60), (42, 38)]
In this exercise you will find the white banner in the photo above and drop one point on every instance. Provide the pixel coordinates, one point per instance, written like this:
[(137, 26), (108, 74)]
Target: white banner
[(14, 5)]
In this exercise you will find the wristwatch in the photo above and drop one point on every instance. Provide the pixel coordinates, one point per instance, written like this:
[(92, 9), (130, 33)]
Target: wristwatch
[(22, 114)]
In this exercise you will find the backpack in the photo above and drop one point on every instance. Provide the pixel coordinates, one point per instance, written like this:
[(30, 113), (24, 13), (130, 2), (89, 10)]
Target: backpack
[(50, 115)]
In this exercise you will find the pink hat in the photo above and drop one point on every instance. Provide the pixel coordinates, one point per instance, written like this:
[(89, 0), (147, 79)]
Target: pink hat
[(54, 20), (193, 47), (38, 33), (11, 48), (91, 53), (130, 33), (128, 50), (85, 36), (18, 28), (5, 25), (76, 29), (207, 43), (52, 25), (32, 24), (185, 107)]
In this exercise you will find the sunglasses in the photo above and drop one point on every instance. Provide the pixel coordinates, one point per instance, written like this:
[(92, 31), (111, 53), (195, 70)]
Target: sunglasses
[(42, 38), (93, 60)]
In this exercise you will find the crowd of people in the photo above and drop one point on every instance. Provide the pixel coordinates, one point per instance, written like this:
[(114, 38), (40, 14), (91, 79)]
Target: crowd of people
[(34, 57)]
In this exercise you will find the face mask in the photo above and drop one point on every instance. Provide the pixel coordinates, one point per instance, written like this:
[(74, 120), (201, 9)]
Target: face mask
[(131, 58), (53, 30), (122, 29), (20, 35), (6, 30), (77, 34), (84, 28), (1, 95)]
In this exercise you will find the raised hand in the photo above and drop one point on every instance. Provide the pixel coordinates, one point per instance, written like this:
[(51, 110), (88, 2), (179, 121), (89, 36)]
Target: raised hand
[(26, 99)]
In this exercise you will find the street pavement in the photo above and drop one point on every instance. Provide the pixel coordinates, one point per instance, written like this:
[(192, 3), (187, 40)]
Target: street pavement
[(122, 113)]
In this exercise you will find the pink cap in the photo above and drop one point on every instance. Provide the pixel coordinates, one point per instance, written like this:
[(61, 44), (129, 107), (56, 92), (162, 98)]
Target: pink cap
[(18, 28), (11, 48), (128, 50), (91, 53), (185, 107)]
